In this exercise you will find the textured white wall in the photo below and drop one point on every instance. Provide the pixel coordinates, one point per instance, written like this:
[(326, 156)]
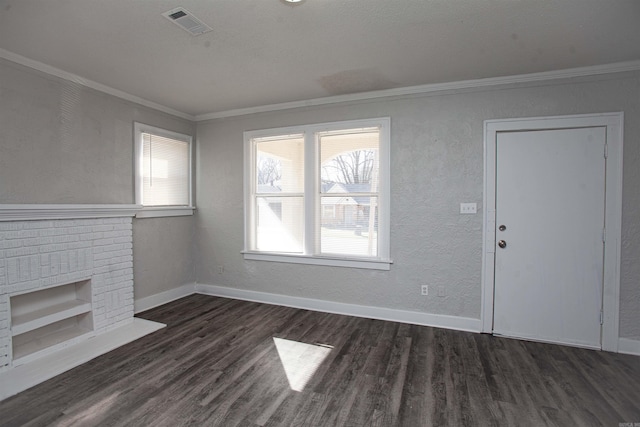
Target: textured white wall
[(436, 163), (63, 143), (162, 249)]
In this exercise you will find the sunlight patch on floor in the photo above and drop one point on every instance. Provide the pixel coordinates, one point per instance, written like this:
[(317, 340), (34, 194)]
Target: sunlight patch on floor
[(94, 411), (300, 361)]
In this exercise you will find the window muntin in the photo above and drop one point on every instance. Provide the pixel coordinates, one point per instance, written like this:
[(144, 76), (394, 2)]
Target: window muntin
[(318, 191), (163, 169)]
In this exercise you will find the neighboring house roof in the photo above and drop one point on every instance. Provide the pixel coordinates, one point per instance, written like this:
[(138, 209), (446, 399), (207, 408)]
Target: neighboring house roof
[(341, 188), (266, 188)]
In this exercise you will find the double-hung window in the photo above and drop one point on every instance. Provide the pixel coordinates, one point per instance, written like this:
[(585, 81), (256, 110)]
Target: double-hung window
[(319, 194), (163, 172)]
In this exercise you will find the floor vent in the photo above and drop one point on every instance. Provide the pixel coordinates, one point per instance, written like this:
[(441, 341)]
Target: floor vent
[(185, 20)]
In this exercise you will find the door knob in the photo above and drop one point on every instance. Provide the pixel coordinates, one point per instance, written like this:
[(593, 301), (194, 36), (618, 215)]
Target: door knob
[(502, 243), (502, 227)]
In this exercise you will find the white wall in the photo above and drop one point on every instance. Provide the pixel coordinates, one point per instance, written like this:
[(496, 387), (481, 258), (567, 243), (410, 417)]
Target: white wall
[(62, 143), (437, 162)]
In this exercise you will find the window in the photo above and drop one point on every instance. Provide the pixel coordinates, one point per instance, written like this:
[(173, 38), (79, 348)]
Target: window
[(319, 194), (163, 172)]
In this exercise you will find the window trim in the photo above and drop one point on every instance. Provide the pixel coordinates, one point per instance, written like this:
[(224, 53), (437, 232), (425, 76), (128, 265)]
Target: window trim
[(311, 174), (159, 211)]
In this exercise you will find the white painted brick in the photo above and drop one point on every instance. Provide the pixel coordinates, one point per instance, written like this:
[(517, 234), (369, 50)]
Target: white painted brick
[(66, 223), (45, 271), (34, 267), (10, 226), (38, 241), (50, 232), (23, 234), (19, 252), (66, 238), (53, 248), (10, 244), (40, 254), (113, 248), (102, 228), (84, 229), (12, 271), (34, 225), (113, 220), (103, 242), (123, 232), (64, 262)]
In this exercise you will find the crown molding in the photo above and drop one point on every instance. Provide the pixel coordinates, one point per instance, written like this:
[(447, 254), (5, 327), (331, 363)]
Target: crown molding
[(33, 212), (48, 69), (594, 70)]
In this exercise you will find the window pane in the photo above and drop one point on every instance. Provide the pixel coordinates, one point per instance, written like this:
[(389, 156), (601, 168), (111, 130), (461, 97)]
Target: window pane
[(353, 227), (280, 224), (165, 175), (349, 159), (280, 165)]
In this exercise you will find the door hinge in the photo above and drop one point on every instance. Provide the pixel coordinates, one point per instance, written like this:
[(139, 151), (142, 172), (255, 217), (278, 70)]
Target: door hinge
[(601, 317), (606, 150)]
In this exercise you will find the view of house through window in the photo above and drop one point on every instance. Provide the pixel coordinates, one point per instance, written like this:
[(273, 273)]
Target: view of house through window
[(349, 171), (317, 192)]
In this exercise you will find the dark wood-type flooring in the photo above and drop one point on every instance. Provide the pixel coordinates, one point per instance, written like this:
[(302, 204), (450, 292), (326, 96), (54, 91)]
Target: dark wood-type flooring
[(216, 364)]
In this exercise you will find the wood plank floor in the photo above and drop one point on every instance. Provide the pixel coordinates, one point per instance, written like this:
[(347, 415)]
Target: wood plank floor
[(223, 362)]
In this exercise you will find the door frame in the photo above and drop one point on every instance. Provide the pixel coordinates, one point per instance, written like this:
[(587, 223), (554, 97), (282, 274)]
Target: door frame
[(613, 210)]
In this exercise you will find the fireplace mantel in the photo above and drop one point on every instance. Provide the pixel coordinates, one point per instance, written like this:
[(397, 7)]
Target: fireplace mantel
[(31, 212)]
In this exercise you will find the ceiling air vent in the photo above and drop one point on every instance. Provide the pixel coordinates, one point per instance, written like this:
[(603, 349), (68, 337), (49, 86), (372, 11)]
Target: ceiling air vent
[(185, 20)]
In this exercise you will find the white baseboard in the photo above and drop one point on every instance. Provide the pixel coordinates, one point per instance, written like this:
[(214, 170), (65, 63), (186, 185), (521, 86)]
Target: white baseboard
[(31, 373), (403, 316), (152, 301), (629, 346)]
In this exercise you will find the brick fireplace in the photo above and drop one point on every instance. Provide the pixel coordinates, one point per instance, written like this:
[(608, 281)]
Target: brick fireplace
[(66, 275)]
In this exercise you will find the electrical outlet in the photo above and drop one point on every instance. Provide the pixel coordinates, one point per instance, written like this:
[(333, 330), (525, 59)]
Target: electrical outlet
[(220, 269), (441, 291), (468, 208), (425, 290)]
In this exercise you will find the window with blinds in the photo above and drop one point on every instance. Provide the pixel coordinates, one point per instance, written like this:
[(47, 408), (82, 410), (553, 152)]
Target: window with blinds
[(163, 163)]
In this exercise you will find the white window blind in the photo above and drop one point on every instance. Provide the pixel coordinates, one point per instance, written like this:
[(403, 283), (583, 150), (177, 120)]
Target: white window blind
[(165, 174)]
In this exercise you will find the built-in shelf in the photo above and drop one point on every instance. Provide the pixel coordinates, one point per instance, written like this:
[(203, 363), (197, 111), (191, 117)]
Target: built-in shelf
[(50, 336), (36, 319), (48, 317)]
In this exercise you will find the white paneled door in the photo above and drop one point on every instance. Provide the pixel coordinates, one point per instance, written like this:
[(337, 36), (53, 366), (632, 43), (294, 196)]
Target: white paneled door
[(550, 216)]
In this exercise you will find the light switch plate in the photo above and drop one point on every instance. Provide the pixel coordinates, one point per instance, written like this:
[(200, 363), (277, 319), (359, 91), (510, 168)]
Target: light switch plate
[(468, 208)]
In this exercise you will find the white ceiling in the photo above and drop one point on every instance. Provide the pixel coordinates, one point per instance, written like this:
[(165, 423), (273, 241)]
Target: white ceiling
[(264, 52)]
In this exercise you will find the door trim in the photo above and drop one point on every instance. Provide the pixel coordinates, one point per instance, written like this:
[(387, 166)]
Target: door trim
[(613, 214)]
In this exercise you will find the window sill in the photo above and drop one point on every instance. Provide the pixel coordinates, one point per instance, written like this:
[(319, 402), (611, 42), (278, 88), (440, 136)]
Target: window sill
[(158, 212), (318, 260)]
